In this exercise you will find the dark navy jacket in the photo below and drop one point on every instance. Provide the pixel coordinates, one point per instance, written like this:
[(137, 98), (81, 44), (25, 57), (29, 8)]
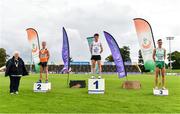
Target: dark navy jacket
[(11, 68)]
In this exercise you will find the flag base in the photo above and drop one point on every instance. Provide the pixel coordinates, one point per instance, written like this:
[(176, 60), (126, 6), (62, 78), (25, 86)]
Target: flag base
[(131, 85), (77, 84)]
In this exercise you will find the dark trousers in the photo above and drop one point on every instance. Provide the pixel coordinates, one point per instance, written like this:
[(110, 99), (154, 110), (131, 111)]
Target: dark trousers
[(14, 83)]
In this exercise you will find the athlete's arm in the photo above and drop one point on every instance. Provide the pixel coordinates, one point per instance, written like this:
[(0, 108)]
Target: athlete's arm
[(91, 46), (48, 55), (101, 48), (153, 56), (39, 54)]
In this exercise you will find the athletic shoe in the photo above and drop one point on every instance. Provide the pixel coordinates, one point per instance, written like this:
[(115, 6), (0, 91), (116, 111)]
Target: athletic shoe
[(163, 88), (39, 81), (46, 81), (156, 87), (99, 77), (17, 92), (92, 77), (11, 93)]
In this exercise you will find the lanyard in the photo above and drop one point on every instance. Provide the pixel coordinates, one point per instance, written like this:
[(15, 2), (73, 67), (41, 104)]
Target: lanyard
[(16, 63)]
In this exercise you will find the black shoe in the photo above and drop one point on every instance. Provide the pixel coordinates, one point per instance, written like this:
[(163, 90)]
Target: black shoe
[(39, 81), (46, 81)]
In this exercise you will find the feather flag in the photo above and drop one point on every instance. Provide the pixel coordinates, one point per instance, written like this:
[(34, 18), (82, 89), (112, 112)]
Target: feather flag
[(35, 46), (146, 42), (115, 50), (65, 53), (90, 41)]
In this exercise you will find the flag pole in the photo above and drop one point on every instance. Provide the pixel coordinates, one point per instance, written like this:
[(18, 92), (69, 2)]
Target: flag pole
[(31, 63), (68, 79), (126, 78)]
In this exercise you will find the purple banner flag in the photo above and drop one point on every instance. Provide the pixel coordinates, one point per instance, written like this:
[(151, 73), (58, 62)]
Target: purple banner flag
[(65, 52), (115, 50)]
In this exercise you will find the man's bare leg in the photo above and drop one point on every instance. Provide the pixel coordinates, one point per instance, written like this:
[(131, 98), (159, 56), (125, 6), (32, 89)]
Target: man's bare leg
[(156, 77), (40, 77), (99, 66), (163, 77), (46, 69), (93, 62), (41, 71)]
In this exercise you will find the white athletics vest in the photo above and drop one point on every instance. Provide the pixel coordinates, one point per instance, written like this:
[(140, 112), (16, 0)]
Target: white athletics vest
[(96, 48)]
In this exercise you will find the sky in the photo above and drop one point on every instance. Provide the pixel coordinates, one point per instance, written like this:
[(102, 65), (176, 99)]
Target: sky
[(83, 18)]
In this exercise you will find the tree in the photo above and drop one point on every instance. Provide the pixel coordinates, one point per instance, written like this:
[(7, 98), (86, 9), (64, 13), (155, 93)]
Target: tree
[(175, 57), (140, 58), (125, 52), (3, 57), (109, 58)]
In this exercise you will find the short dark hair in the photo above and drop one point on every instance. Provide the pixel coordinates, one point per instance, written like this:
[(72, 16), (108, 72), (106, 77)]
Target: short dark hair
[(96, 34), (159, 40)]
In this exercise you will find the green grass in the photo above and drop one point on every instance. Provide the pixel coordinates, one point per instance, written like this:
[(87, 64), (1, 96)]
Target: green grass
[(173, 71), (72, 100)]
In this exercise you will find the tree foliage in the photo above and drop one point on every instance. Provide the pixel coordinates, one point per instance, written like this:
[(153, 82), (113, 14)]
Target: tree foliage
[(175, 58), (3, 57)]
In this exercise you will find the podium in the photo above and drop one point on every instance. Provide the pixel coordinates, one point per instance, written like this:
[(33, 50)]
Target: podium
[(42, 87), (160, 92), (96, 86)]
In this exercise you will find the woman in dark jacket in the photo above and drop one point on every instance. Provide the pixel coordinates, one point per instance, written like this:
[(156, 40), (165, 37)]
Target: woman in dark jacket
[(15, 68)]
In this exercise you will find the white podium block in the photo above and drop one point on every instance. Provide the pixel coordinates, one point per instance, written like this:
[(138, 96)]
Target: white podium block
[(42, 87), (160, 92), (96, 86)]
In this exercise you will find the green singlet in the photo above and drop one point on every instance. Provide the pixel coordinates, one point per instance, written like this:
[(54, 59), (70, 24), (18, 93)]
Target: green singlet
[(160, 53)]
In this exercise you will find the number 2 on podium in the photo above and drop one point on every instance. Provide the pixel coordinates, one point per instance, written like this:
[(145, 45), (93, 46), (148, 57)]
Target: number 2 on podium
[(96, 83), (39, 86)]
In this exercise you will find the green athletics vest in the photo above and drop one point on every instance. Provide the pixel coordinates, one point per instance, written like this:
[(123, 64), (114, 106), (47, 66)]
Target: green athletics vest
[(160, 53)]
